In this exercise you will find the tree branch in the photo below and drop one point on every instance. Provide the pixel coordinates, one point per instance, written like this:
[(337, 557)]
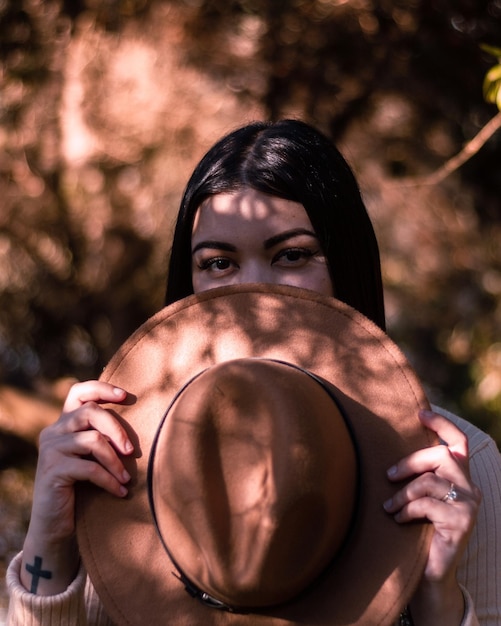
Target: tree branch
[(471, 148)]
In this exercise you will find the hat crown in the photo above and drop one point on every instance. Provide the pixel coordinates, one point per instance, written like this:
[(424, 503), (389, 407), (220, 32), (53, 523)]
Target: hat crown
[(253, 481)]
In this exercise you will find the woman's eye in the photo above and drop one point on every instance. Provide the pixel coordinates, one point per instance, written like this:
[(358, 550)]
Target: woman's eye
[(215, 264), (293, 255)]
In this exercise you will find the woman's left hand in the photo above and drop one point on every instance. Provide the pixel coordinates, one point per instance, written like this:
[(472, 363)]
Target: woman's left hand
[(443, 493)]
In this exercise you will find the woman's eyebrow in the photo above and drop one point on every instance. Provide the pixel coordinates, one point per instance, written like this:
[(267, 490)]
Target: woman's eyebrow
[(214, 245), (288, 234)]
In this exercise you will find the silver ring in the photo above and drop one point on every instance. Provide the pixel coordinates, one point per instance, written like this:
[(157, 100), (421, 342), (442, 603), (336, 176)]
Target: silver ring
[(451, 495)]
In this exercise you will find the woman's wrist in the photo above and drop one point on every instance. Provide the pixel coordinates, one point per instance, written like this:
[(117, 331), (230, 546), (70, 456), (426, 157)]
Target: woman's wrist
[(48, 568), (437, 604)]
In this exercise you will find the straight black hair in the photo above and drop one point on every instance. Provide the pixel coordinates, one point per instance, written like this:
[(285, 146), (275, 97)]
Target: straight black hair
[(292, 160)]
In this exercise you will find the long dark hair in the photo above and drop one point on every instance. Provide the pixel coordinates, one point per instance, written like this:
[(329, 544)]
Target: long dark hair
[(291, 160)]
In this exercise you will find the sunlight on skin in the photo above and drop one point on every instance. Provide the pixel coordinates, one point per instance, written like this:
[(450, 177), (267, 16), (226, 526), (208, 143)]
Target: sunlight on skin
[(249, 236)]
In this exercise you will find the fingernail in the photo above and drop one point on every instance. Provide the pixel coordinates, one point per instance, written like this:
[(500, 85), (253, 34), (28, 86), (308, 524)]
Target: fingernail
[(125, 476), (425, 413), (118, 392), (388, 504), (123, 491), (392, 471), (128, 447)]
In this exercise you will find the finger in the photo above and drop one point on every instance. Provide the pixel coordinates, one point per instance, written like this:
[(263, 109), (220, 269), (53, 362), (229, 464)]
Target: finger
[(57, 467), (93, 444), (437, 459), (452, 523), (88, 417), (458, 517), (428, 485), (80, 470), (92, 391), (455, 439)]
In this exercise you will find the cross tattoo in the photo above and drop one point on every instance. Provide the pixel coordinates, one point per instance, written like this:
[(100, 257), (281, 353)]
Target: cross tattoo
[(37, 572)]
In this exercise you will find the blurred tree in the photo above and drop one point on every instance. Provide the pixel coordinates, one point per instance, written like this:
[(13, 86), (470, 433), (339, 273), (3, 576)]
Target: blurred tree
[(106, 106), (52, 308)]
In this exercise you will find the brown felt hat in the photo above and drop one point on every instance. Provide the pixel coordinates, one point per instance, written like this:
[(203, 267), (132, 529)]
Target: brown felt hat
[(264, 420)]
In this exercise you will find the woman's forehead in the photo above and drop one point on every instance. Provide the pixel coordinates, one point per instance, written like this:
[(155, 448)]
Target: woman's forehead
[(249, 207)]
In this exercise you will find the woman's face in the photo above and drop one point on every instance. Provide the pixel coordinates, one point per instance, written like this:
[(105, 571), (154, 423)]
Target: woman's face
[(251, 237)]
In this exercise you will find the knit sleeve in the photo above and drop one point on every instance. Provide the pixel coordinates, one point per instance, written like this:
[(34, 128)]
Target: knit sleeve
[(479, 571), (28, 609), (78, 604), (480, 568)]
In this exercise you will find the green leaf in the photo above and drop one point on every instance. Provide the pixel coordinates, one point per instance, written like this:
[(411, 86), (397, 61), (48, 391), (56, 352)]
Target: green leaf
[(493, 50), (492, 86)]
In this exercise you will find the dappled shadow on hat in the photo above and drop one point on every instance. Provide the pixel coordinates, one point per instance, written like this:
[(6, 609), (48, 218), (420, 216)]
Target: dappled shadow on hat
[(253, 481), (377, 391)]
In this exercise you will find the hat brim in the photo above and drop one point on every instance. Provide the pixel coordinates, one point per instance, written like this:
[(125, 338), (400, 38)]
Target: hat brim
[(377, 572)]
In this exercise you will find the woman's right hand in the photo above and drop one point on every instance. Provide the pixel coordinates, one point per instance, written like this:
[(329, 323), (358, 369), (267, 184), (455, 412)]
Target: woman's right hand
[(83, 445)]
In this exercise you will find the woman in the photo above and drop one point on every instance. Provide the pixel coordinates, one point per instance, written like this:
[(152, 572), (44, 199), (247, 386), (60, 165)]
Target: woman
[(273, 203)]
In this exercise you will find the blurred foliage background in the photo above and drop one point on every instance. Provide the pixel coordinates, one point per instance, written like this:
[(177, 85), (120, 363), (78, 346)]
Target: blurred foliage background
[(106, 105)]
